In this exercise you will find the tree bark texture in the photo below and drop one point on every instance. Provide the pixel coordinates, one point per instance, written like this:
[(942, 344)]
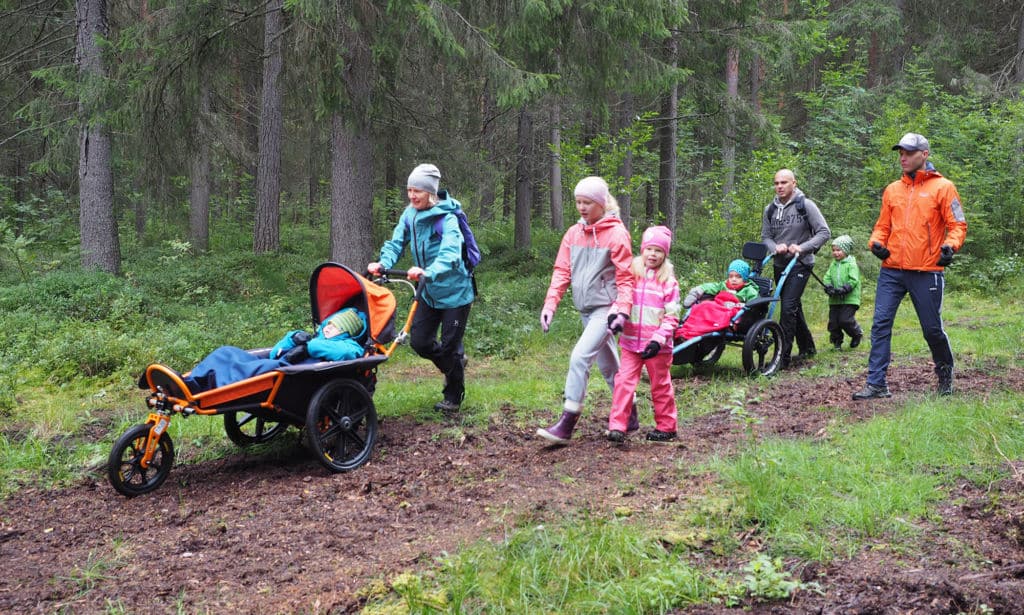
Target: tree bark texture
[(100, 246), (351, 192), (266, 229), (557, 219), (524, 187), (199, 173), (668, 145), (732, 81), (625, 118)]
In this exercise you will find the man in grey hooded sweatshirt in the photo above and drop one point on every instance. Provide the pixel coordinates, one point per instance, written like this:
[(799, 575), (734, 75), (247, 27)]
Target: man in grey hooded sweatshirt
[(792, 227)]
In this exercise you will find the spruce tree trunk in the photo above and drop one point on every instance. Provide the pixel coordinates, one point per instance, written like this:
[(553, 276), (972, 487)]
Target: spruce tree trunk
[(199, 175), (524, 188), (625, 118), (266, 229), (1020, 48), (100, 246), (351, 191), (557, 219), (668, 141), (732, 80)]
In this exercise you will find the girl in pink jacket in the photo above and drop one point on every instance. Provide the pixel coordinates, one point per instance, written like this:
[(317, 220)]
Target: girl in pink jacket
[(594, 259), (646, 339)]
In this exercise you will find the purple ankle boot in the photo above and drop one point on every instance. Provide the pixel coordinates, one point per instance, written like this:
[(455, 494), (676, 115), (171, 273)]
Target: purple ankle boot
[(561, 431), (633, 423)]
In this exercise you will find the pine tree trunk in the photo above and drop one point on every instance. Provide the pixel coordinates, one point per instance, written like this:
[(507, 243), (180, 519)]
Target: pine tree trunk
[(524, 188), (557, 219), (100, 246), (199, 194), (351, 191), (266, 230)]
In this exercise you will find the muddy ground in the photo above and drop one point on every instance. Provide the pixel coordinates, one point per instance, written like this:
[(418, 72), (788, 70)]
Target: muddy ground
[(278, 534)]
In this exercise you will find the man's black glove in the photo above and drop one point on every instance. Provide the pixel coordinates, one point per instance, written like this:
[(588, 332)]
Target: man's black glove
[(947, 256), (296, 355), (879, 250), (830, 290), (844, 290), (651, 351)]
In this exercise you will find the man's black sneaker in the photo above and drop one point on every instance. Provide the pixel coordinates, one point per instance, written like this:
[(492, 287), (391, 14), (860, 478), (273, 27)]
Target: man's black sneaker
[(855, 340), (871, 391), (446, 406)]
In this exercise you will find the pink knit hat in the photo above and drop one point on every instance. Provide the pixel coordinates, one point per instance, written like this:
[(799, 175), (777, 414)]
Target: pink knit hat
[(657, 236), (593, 188)]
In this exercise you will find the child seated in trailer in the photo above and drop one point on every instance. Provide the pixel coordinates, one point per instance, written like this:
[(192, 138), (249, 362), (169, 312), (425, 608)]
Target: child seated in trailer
[(339, 337), (712, 305)]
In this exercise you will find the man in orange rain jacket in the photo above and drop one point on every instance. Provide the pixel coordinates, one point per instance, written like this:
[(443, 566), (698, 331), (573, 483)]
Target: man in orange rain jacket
[(920, 228)]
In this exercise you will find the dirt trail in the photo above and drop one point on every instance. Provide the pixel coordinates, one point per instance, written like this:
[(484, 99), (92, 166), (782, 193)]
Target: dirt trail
[(250, 534)]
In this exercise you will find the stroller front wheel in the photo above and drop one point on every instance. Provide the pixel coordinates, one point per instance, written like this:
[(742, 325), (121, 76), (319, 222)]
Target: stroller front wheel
[(124, 466), (342, 425)]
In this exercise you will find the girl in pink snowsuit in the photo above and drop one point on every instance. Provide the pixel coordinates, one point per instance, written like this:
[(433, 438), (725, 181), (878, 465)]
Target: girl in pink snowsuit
[(646, 339)]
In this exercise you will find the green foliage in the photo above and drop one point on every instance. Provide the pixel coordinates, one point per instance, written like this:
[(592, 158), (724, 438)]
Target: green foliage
[(766, 579), (608, 151)]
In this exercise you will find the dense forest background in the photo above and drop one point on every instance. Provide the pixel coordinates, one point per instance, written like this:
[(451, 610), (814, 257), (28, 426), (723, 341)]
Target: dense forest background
[(130, 123)]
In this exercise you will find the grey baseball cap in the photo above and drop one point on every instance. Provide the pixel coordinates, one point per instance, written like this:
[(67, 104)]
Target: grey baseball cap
[(912, 142)]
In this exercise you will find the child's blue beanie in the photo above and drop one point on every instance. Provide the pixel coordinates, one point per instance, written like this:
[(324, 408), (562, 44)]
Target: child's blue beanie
[(741, 267)]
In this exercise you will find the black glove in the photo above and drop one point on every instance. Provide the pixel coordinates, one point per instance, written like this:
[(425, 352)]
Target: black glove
[(301, 337), (651, 351), (879, 250), (843, 290), (947, 256), (616, 322), (297, 354), (830, 290)]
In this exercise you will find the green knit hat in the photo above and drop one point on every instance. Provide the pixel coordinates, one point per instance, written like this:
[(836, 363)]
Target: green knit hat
[(347, 321), (844, 243)]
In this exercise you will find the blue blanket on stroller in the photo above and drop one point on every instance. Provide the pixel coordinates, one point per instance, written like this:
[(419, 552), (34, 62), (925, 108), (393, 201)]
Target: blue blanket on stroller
[(228, 364)]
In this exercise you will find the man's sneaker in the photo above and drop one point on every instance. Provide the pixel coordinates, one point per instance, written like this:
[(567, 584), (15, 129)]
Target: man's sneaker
[(661, 436), (855, 340), (871, 391), (945, 374), (616, 436), (446, 406), (838, 346), (805, 355)]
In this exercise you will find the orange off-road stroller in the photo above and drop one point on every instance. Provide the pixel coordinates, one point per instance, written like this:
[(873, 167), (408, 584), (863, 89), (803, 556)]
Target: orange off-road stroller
[(332, 400)]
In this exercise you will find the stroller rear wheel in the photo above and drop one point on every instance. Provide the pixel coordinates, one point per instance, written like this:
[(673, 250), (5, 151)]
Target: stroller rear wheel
[(762, 348), (342, 425), (245, 429), (124, 466)]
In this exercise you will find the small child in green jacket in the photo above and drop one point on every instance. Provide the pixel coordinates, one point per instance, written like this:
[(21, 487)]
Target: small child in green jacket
[(842, 285), (737, 282)]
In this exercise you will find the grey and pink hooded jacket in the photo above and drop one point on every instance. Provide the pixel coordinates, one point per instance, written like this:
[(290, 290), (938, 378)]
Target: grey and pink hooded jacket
[(655, 314), (594, 259)]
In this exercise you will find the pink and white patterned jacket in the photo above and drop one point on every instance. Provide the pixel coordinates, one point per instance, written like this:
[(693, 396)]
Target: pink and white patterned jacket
[(655, 313)]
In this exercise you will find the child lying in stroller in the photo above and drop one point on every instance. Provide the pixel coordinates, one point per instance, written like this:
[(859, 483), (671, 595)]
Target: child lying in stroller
[(713, 304), (339, 337)]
